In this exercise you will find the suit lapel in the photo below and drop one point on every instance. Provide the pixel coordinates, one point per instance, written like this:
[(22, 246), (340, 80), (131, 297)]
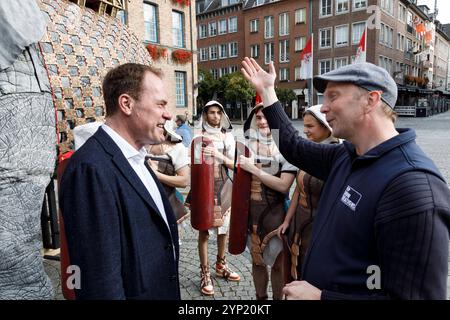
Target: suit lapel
[(125, 168), (167, 207)]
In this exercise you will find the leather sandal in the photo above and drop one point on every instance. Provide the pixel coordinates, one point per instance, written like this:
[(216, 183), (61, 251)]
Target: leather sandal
[(206, 285), (224, 271)]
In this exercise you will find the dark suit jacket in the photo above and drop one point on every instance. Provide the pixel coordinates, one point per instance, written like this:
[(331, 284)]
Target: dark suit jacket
[(115, 232)]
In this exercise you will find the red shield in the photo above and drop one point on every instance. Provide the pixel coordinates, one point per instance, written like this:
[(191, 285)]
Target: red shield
[(202, 185), (240, 203)]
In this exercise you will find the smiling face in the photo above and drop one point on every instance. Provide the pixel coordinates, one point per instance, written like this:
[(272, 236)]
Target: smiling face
[(149, 112), (343, 106), (261, 123), (313, 129), (213, 116)]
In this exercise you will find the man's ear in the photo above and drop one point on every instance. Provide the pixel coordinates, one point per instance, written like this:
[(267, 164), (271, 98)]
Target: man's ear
[(126, 103), (373, 100)]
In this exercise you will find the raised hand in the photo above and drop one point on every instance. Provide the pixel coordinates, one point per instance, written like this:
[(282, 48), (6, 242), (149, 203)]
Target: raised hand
[(257, 76), (262, 81)]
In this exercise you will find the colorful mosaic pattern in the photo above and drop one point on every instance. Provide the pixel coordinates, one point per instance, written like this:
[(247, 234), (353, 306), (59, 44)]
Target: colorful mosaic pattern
[(80, 46)]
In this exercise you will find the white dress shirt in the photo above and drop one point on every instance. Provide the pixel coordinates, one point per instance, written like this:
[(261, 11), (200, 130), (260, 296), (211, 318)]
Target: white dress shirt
[(136, 159)]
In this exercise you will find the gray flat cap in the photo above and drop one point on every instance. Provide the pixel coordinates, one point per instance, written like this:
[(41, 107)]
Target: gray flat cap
[(365, 75)]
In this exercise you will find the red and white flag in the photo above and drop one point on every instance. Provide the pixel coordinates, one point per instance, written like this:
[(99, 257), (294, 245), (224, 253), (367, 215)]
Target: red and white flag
[(306, 61), (361, 53)]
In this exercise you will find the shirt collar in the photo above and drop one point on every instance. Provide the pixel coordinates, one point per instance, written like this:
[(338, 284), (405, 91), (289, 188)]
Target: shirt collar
[(127, 149)]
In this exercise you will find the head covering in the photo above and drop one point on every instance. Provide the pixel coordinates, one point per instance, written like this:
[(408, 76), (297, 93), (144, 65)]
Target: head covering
[(180, 117), (251, 130), (365, 75), (315, 112), (169, 126), (83, 132), (225, 122)]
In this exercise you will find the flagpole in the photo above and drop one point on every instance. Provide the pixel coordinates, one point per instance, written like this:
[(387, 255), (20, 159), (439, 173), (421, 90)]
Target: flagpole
[(365, 41), (310, 80), (310, 27)]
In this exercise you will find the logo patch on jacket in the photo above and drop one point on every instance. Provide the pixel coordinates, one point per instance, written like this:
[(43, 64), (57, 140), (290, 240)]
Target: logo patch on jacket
[(351, 198)]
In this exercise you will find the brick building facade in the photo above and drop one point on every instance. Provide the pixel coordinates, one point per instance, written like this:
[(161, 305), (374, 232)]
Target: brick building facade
[(169, 28), (229, 30)]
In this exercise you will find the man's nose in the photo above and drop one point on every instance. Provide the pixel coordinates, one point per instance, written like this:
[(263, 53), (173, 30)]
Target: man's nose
[(167, 115)]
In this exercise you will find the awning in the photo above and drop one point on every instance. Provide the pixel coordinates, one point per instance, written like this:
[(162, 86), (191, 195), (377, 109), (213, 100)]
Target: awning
[(407, 88)]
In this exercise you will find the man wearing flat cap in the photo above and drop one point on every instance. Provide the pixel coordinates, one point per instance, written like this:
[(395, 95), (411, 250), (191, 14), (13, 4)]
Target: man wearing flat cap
[(382, 225)]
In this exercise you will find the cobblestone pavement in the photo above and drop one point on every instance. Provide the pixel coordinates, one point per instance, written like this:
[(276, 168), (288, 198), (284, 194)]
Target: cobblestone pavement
[(433, 136)]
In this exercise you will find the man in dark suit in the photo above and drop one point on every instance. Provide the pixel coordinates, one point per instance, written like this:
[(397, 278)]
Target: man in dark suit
[(120, 229)]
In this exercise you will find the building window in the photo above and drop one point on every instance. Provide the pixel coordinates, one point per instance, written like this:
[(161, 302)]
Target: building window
[(254, 51), (284, 50), (300, 16), (357, 31), (223, 71), (254, 25), (341, 6), (284, 74), (180, 89), (283, 21), (204, 54), (150, 23), (388, 6), (222, 26), (385, 63), (223, 51), (215, 73), (409, 47), (268, 27), (325, 8), (122, 16), (342, 36), (212, 28), (297, 73), (359, 4), (213, 53), (400, 42), (232, 24), (386, 35), (178, 29), (409, 18), (233, 52), (202, 31), (300, 43), (325, 38), (324, 66), (268, 52), (340, 62), (402, 13), (233, 69)]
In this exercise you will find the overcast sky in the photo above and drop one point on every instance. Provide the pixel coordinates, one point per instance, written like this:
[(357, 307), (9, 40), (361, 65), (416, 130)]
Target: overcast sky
[(443, 8)]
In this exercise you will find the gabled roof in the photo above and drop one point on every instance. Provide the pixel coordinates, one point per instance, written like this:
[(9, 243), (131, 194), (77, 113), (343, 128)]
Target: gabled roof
[(248, 4), (217, 5)]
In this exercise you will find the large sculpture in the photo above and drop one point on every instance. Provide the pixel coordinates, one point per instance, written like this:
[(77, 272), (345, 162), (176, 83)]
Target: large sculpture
[(27, 150), (52, 61)]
